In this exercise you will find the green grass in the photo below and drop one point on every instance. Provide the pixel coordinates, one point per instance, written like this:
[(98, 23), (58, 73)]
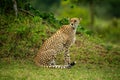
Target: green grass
[(26, 70)]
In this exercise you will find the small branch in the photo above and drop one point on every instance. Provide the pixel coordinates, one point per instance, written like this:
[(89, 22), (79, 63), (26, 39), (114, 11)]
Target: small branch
[(15, 7), (27, 12)]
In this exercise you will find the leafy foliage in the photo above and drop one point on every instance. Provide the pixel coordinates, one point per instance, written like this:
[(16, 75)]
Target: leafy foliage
[(45, 5), (21, 36)]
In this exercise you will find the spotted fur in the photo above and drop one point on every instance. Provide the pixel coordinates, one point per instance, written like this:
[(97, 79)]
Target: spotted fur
[(60, 41)]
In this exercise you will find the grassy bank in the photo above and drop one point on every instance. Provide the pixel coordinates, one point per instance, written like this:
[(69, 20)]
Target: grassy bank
[(94, 62)]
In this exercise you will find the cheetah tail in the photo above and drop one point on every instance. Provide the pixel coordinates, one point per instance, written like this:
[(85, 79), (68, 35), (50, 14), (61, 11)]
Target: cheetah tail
[(62, 66)]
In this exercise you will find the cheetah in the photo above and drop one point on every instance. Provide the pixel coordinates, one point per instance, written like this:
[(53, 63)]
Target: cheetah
[(58, 42)]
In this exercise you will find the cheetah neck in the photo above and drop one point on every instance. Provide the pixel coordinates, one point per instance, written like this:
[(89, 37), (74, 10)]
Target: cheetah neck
[(74, 27)]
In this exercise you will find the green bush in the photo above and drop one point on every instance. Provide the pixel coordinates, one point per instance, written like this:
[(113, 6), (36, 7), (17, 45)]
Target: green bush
[(22, 36)]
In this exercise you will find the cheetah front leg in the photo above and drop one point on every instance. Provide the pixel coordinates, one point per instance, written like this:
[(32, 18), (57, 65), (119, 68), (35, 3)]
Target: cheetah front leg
[(67, 56), (53, 60)]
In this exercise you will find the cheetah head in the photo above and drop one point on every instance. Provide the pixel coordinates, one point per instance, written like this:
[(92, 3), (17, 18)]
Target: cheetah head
[(74, 22)]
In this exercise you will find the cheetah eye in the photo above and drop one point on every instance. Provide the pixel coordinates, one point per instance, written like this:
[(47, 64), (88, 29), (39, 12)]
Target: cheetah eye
[(75, 21)]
